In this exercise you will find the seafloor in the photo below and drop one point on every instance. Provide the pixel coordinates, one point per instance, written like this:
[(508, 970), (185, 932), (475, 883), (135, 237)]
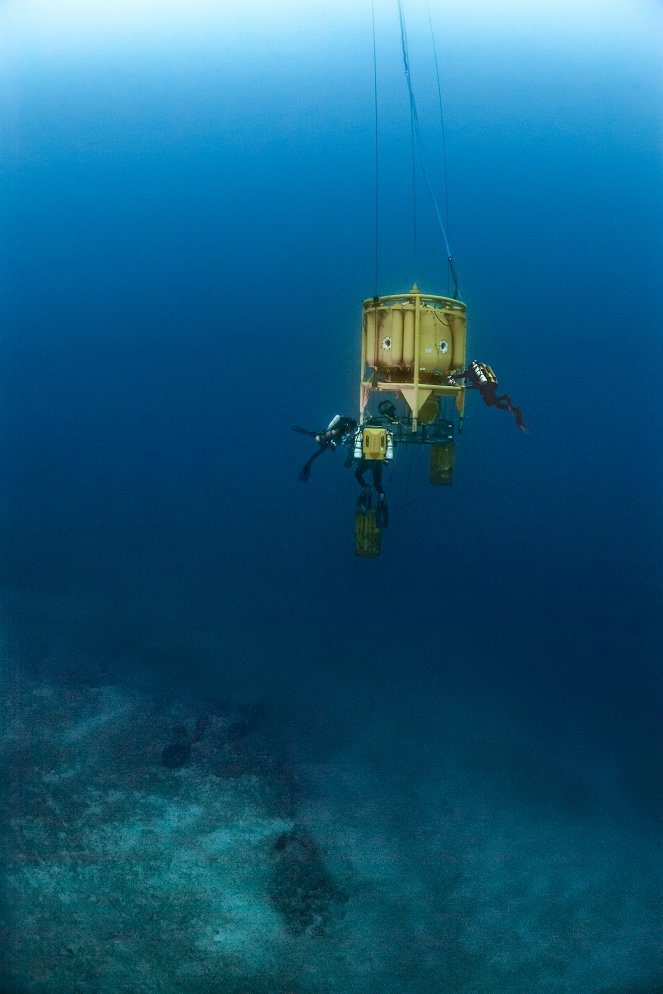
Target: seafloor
[(155, 846)]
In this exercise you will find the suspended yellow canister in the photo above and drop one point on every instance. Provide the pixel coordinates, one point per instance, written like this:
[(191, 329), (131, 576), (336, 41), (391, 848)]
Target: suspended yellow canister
[(367, 535), (442, 458)]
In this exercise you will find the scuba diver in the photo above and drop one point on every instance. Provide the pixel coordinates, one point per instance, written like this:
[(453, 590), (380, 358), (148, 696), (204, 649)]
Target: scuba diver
[(365, 497), (373, 460), (479, 376), (338, 430), (343, 430)]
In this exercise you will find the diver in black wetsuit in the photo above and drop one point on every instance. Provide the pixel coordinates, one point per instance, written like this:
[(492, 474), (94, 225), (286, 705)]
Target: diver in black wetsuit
[(345, 430), (338, 429), (375, 465), (479, 376), (364, 502)]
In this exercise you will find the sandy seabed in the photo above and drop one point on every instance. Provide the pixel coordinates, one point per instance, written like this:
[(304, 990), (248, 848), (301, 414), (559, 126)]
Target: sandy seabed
[(152, 845)]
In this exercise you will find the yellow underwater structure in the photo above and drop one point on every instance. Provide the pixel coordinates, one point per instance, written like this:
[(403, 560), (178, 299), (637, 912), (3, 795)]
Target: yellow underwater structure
[(411, 343)]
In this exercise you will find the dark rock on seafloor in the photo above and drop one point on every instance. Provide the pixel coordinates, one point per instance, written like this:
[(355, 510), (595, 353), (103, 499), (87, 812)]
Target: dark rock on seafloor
[(175, 754), (178, 751), (301, 889)]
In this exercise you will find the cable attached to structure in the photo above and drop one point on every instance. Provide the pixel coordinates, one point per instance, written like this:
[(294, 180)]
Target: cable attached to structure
[(419, 141), (442, 128), (413, 143), (377, 191)]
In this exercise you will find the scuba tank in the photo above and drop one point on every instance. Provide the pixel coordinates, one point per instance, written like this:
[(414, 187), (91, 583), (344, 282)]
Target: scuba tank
[(357, 448), (335, 430), (481, 374)]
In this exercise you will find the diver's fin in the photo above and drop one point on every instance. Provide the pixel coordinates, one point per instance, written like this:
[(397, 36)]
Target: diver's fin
[(306, 468), (364, 500), (382, 512), (518, 414)]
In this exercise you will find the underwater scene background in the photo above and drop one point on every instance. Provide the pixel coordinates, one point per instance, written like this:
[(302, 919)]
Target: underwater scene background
[(237, 758)]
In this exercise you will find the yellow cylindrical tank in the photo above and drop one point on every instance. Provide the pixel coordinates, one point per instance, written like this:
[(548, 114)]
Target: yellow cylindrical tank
[(408, 338), (458, 321), (390, 338), (444, 341), (371, 351), (427, 357), (442, 458)]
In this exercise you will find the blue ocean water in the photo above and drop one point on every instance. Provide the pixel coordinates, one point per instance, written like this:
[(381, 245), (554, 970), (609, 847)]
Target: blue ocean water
[(188, 233)]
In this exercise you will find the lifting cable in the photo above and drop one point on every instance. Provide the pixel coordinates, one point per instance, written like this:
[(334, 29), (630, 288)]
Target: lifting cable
[(442, 129), (416, 130), (377, 190)]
